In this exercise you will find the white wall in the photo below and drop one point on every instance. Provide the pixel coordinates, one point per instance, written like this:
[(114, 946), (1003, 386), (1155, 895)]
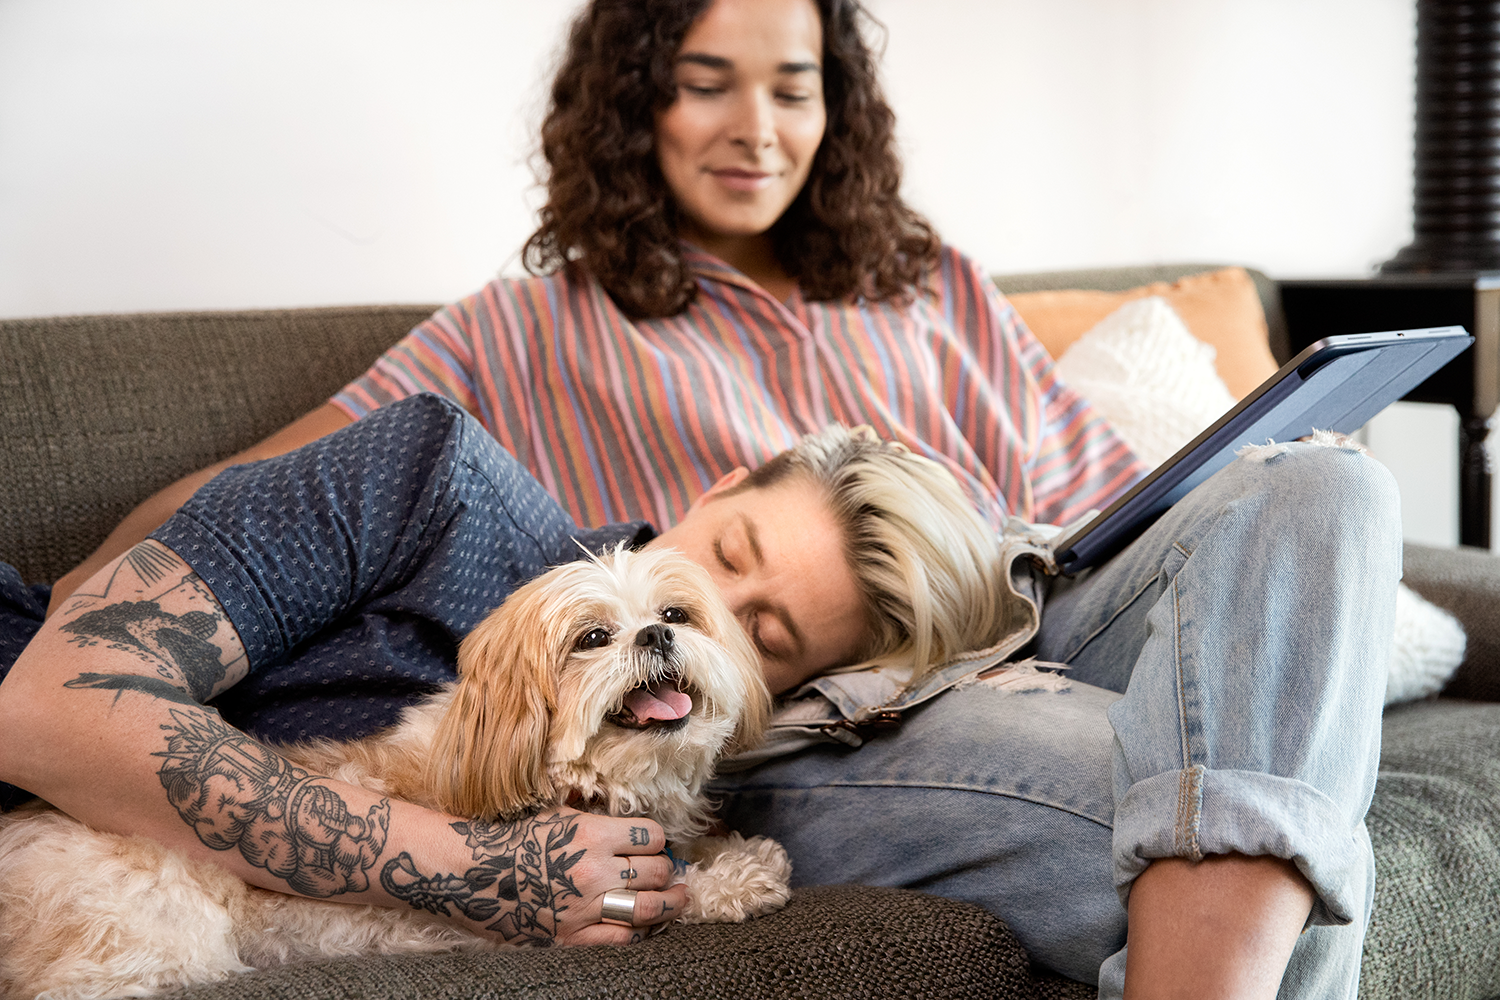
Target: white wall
[(164, 154), (168, 154), (180, 154), (1061, 133)]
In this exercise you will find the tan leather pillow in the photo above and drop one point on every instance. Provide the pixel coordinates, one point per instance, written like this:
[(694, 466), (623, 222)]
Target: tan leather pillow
[(1221, 308)]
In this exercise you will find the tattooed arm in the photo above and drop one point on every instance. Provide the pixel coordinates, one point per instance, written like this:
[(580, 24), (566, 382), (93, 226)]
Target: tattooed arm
[(103, 716)]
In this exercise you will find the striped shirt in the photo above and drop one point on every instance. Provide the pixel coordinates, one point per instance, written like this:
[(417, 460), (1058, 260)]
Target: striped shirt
[(623, 419)]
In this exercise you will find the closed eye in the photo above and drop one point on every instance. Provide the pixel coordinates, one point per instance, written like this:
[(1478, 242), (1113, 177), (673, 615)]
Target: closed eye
[(761, 645), (755, 639)]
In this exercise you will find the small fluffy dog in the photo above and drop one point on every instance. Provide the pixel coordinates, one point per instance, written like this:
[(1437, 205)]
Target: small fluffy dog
[(611, 684)]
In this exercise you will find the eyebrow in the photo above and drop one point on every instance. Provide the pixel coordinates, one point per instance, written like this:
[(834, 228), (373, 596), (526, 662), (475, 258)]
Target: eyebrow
[(719, 62), (752, 538)]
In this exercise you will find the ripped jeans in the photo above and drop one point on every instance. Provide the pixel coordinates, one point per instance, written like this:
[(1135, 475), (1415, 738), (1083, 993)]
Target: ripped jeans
[(1225, 679)]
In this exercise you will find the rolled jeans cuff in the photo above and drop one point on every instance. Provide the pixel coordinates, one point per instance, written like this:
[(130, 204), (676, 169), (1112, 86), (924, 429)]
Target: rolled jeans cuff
[(1250, 813)]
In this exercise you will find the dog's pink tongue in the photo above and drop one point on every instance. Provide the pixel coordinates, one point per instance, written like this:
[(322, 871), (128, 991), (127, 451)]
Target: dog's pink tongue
[(660, 701)]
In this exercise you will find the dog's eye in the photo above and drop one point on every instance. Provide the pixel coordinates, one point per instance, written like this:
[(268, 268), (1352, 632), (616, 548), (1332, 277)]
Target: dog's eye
[(674, 616), (593, 639)]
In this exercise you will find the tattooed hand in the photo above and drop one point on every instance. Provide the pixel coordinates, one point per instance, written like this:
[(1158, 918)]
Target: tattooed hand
[(524, 863), (530, 882)]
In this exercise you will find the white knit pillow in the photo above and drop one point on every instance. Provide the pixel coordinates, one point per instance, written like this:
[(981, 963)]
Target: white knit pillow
[(1429, 645), (1153, 380), (1156, 383)]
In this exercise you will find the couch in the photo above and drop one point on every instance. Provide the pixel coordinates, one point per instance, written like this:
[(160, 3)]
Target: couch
[(96, 412)]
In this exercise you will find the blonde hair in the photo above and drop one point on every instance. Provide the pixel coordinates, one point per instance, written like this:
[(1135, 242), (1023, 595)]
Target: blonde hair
[(926, 562)]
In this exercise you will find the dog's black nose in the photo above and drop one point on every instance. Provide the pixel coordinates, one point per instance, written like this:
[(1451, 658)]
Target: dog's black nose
[(657, 637)]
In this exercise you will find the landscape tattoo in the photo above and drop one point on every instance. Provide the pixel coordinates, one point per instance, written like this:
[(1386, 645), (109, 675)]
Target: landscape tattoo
[(239, 795), (128, 616)]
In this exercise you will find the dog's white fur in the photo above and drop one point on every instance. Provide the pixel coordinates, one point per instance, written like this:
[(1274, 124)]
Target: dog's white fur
[(526, 725)]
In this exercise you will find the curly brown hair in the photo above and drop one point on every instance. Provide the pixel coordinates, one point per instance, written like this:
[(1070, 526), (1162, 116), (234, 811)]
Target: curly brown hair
[(847, 235)]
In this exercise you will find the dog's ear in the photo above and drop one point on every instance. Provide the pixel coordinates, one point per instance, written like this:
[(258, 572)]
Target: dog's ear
[(756, 714), (489, 756), (694, 588)]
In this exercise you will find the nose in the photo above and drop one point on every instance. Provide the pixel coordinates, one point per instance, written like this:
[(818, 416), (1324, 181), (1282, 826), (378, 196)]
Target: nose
[(657, 637), (755, 125)]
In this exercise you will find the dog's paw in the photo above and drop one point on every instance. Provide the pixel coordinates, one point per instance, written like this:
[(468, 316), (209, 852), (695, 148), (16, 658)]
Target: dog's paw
[(734, 879)]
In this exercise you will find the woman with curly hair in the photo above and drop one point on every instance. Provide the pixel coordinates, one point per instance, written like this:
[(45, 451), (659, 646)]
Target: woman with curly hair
[(724, 263), (834, 227)]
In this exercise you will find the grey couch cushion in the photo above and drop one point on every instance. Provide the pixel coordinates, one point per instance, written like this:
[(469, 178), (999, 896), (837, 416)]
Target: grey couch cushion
[(99, 412), (846, 941), (1435, 822), (1464, 581)]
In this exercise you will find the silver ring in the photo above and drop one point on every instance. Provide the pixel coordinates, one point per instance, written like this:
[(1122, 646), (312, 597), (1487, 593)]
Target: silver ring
[(619, 907)]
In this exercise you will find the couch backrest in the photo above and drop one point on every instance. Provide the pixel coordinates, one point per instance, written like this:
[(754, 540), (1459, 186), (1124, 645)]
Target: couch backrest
[(99, 412)]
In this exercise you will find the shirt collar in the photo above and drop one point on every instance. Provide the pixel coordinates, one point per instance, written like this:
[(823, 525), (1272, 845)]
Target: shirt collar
[(706, 265)]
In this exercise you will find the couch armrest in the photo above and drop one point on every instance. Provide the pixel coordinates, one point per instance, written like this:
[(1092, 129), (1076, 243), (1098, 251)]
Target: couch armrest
[(1465, 582)]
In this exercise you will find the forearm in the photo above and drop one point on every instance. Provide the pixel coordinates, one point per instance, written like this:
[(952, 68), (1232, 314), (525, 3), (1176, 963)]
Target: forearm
[(135, 757), (1221, 927), (102, 716), (179, 775)]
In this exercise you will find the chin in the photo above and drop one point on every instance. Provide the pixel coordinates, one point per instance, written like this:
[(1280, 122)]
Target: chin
[(720, 215), (611, 684)]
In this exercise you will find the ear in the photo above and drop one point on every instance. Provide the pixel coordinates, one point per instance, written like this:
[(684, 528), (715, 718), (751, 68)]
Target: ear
[(757, 716), (727, 481), (489, 756)]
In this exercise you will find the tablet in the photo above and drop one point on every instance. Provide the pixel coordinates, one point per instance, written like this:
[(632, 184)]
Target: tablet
[(1337, 384)]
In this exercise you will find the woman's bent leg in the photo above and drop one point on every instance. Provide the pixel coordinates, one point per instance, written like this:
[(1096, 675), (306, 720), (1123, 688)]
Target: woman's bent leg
[(1253, 667)]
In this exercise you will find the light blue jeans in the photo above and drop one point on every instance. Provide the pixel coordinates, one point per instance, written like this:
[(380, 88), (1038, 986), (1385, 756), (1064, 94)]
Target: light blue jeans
[(1227, 673)]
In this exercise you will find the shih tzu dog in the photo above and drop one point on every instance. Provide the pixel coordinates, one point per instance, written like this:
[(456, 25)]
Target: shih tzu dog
[(611, 684)]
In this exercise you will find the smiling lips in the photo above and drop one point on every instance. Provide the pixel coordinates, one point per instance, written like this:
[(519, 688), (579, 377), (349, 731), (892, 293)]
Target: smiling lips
[(740, 179)]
